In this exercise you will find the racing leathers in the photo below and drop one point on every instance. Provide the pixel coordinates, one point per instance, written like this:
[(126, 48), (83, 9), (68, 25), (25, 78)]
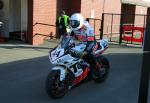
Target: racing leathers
[(86, 36)]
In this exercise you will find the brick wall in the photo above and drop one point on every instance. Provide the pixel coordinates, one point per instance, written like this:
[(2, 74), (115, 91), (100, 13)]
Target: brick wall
[(112, 6), (140, 20), (95, 8), (44, 11), (109, 6), (92, 9), (89, 6)]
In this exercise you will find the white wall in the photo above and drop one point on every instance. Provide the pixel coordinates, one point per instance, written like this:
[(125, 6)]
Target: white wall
[(4, 17), (24, 15), (14, 16)]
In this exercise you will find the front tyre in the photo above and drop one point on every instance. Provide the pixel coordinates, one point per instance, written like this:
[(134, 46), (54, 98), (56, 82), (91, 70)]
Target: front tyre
[(54, 87), (103, 71)]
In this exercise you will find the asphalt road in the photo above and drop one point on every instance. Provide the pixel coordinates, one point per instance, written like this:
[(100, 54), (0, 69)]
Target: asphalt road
[(23, 81)]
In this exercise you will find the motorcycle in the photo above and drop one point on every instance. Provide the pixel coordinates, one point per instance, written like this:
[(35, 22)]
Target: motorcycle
[(69, 70)]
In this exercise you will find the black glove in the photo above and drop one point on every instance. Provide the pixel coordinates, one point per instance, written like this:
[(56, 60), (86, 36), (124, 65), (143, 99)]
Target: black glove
[(74, 53), (72, 45), (78, 54), (84, 54)]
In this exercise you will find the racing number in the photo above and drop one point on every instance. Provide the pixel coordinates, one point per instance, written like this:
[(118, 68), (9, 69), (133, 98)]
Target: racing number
[(56, 53)]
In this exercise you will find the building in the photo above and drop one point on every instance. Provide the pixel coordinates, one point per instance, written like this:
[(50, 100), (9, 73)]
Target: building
[(36, 18)]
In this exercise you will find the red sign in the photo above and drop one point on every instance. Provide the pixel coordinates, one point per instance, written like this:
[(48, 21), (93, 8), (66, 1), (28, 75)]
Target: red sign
[(133, 34)]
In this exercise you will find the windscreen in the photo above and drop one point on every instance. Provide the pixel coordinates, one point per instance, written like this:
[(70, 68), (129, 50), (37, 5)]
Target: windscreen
[(65, 41)]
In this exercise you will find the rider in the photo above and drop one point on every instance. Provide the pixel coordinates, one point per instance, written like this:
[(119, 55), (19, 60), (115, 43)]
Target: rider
[(83, 32)]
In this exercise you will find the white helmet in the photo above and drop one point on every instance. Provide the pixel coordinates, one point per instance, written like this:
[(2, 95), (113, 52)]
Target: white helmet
[(76, 21)]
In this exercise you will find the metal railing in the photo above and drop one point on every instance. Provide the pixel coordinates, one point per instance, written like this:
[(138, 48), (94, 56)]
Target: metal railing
[(50, 35), (96, 24), (112, 25)]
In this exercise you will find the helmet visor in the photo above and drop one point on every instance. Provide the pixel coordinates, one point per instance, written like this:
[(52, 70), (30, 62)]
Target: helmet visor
[(75, 23)]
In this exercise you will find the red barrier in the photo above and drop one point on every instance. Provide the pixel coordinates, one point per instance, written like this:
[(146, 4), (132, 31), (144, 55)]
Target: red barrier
[(133, 34)]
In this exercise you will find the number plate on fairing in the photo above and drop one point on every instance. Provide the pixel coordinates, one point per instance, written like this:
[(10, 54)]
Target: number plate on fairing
[(55, 54)]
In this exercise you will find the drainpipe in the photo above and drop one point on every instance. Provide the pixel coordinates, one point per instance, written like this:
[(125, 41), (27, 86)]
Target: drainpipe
[(102, 21)]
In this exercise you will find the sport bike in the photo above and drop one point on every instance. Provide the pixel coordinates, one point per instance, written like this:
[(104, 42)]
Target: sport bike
[(69, 70)]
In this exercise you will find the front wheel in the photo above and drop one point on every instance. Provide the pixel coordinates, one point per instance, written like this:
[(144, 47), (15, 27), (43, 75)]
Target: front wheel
[(103, 71), (54, 87)]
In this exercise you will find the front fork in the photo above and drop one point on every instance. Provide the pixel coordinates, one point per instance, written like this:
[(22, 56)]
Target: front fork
[(64, 77), (63, 72)]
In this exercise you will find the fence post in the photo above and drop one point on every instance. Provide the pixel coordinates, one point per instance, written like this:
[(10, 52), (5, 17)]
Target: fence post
[(144, 21), (102, 27), (112, 20), (121, 29), (94, 26)]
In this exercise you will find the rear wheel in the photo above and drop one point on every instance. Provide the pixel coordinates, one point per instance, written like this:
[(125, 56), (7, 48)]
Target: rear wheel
[(102, 73), (54, 87)]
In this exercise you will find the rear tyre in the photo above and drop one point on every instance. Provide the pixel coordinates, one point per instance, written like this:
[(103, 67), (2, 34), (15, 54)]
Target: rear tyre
[(54, 87), (102, 73)]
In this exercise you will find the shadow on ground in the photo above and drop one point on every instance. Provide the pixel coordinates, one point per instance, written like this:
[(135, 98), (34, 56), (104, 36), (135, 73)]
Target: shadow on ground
[(24, 82)]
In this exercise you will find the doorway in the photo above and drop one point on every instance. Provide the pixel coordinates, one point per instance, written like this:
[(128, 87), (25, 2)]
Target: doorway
[(128, 12), (18, 18)]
